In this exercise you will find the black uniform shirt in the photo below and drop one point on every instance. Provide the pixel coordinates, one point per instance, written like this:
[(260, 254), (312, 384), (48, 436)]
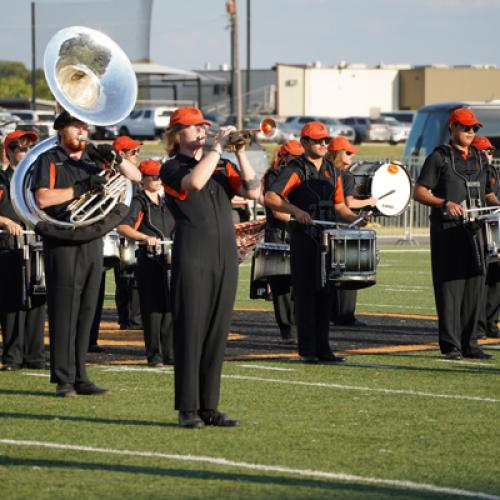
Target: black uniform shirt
[(150, 218), (6, 208), (308, 188), (348, 183), (55, 169), (272, 223)]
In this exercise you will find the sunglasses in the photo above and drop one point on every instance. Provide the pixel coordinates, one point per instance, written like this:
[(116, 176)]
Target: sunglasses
[(489, 151), (323, 140), (133, 152), (469, 128), (20, 149), (348, 153), (155, 177)]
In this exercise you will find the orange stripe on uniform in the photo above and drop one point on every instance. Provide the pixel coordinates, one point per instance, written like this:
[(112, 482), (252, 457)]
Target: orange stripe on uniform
[(293, 183), (2, 192), (233, 177), (339, 191), (172, 192), (52, 175), (138, 222)]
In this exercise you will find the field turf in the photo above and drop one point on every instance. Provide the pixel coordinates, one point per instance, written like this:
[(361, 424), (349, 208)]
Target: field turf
[(394, 425)]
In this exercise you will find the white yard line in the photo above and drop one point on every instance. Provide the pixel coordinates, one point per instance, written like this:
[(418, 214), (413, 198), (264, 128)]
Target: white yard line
[(333, 476), (395, 306), (47, 375), (263, 367), (365, 389)]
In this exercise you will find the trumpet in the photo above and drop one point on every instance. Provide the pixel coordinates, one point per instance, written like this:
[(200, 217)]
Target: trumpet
[(267, 128)]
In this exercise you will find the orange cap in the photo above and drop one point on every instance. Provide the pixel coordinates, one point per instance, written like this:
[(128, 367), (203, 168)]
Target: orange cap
[(482, 143), (341, 143), (291, 147), (17, 134), (187, 116), (149, 167), (314, 130), (464, 116), (125, 142)]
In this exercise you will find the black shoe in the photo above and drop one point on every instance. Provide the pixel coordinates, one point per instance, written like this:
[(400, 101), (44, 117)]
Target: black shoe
[(480, 335), (493, 334), (90, 389), (355, 322), (331, 358), (155, 364), (454, 354), (478, 354), (96, 348), (37, 366), (309, 359), (10, 368), (65, 390), (190, 420), (218, 419)]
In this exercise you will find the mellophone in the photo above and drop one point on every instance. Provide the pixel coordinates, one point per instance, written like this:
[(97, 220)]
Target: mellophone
[(348, 259)]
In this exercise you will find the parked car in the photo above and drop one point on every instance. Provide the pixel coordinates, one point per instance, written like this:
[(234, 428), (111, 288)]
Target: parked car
[(400, 116), (430, 127), (293, 125), (369, 129), (146, 122), (399, 130), (103, 132), (7, 123), (41, 121)]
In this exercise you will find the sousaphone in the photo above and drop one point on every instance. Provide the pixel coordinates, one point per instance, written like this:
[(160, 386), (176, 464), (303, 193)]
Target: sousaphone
[(92, 78)]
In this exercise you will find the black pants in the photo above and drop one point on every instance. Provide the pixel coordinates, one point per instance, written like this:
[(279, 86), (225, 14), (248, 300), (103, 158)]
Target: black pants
[(284, 309), (204, 280), (74, 274), (312, 305), (458, 287), (127, 298), (96, 322), (490, 302), (156, 310), (22, 334), (344, 306)]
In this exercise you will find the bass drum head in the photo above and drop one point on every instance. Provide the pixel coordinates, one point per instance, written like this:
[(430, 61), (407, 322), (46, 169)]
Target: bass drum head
[(391, 177)]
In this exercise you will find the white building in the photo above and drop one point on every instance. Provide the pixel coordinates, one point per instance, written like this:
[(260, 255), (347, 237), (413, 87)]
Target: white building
[(339, 91)]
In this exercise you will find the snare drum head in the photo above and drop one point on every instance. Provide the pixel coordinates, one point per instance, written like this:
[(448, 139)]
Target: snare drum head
[(391, 177)]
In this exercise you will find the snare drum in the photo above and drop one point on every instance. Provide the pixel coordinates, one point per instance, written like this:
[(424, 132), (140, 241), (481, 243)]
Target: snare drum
[(379, 179), (111, 249), (492, 237), (349, 258), (269, 259), (128, 258)]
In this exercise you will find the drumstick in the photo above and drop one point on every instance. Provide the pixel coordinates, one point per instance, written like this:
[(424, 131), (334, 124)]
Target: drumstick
[(386, 194), (23, 232)]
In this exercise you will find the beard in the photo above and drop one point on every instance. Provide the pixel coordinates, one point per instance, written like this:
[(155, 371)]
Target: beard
[(72, 143)]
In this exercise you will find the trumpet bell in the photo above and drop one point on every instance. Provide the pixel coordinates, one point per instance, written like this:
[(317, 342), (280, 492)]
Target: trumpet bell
[(90, 75), (268, 127)]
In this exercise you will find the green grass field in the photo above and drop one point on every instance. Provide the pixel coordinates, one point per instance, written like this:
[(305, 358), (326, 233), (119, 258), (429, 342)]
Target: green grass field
[(393, 426), (388, 426)]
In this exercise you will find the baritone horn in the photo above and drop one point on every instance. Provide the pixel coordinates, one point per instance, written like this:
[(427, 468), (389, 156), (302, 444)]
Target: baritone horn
[(92, 79)]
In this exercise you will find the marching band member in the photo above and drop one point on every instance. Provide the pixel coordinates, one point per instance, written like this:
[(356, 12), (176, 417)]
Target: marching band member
[(199, 188), (341, 153), (22, 326), (452, 174), (276, 231), (310, 188), (73, 269), (490, 310), (126, 291), (150, 221)]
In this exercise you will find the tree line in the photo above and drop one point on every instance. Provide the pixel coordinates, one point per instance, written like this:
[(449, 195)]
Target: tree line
[(15, 81)]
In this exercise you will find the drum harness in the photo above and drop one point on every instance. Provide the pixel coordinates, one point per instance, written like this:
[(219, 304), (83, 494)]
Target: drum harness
[(473, 201)]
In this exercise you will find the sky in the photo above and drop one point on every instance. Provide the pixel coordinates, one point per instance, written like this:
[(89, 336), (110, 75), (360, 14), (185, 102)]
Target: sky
[(190, 33)]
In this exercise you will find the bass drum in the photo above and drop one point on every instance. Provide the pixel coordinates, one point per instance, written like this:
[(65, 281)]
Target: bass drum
[(390, 183)]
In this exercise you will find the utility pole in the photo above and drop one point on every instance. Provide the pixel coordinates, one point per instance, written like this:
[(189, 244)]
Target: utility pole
[(33, 58), (249, 45), (232, 10)]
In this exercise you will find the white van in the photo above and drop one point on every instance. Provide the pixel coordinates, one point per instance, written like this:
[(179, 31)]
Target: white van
[(40, 121), (146, 122)]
